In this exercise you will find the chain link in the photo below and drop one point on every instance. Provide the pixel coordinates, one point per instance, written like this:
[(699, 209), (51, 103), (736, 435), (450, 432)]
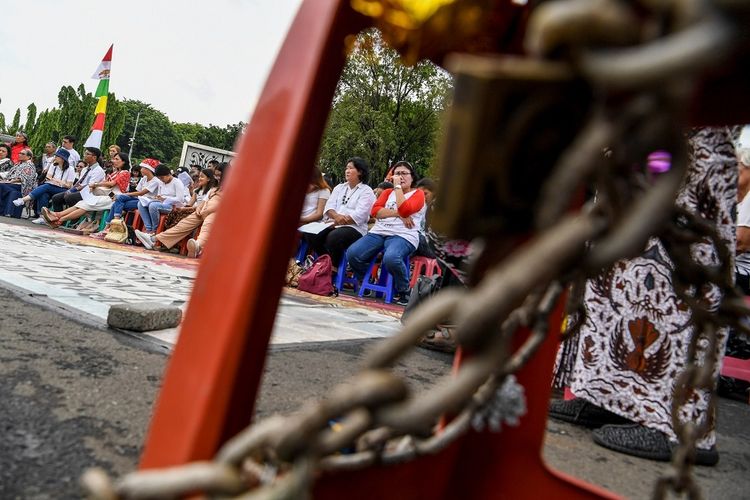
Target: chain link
[(278, 457)]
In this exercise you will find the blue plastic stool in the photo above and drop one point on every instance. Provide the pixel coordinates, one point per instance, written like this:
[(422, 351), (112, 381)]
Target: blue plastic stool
[(341, 278), (301, 251), (384, 285)]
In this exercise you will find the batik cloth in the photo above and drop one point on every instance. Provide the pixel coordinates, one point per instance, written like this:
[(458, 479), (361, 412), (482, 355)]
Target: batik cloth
[(633, 344)]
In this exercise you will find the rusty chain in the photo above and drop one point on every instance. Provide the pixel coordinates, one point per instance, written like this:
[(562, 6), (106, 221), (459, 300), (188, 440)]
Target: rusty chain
[(279, 457)]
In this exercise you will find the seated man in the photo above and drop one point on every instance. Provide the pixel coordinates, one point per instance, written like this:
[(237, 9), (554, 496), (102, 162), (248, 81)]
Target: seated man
[(92, 173)]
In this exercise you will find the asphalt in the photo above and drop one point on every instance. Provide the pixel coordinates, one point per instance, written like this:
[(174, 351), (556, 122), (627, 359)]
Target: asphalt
[(74, 394)]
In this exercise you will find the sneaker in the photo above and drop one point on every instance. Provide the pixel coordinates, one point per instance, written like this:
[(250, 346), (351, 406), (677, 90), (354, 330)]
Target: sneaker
[(402, 298), (19, 201), (194, 248), (146, 239), (39, 221)]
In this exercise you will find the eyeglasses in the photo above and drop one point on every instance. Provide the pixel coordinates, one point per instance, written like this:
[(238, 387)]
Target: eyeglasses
[(403, 172), (22, 153)]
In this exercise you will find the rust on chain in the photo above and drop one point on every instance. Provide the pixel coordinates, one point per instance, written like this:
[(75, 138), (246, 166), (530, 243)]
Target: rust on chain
[(624, 80)]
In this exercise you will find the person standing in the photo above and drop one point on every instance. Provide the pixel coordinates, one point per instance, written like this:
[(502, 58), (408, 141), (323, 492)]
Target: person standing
[(20, 143), (68, 143), (624, 363)]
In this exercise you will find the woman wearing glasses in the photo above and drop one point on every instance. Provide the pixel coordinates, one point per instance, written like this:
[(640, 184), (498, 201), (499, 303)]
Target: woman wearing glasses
[(398, 213), (20, 180), (348, 209)]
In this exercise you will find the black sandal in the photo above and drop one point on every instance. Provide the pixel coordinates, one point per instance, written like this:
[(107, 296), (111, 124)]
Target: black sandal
[(578, 411), (643, 442)]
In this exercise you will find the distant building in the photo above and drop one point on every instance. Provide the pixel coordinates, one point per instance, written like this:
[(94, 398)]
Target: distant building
[(199, 154)]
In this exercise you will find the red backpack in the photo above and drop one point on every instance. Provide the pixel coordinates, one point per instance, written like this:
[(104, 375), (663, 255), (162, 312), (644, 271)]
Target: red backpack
[(317, 279)]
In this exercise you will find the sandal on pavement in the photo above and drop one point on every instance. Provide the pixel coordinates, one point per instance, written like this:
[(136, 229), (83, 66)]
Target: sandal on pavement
[(643, 442), (578, 411), (49, 217), (439, 340)]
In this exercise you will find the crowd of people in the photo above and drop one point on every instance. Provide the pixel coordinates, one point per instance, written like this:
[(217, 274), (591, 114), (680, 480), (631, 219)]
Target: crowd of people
[(90, 188), (361, 223)]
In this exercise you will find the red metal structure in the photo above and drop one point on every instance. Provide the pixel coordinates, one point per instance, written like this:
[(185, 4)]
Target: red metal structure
[(215, 371)]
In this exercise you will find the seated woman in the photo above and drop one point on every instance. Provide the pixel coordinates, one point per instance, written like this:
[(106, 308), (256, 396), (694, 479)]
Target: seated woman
[(171, 194), (105, 192), (318, 193), (58, 178), (399, 213), (148, 185), (206, 182), (5, 163), (19, 180), (202, 218), (348, 209)]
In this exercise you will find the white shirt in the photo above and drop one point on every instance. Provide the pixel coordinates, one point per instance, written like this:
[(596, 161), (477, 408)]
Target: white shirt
[(55, 172), (74, 157), (174, 192), (152, 186), (47, 161), (356, 203), (742, 260), (93, 175), (311, 201), (394, 226)]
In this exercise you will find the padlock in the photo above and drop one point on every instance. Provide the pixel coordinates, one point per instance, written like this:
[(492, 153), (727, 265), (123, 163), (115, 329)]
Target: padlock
[(510, 120)]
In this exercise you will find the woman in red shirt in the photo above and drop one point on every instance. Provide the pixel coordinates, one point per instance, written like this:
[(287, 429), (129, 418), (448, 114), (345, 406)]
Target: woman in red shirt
[(398, 213), (21, 143)]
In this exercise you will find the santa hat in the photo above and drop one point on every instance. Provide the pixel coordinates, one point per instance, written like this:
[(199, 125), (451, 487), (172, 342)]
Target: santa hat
[(150, 164)]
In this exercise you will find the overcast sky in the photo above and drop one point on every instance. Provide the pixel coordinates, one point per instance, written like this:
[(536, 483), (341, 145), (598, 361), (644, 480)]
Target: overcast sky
[(203, 62)]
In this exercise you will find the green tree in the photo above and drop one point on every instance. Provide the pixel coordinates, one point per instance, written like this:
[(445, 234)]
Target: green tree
[(16, 125), (2, 124), (30, 119), (383, 110), (156, 137)]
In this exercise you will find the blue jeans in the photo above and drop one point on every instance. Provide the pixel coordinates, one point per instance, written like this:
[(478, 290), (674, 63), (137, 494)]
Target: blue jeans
[(395, 250), (152, 213), (41, 194), (122, 203), (8, 193)]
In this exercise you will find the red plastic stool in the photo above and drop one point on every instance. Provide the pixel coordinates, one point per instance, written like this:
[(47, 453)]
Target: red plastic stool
[(423, 265), (736, 368)]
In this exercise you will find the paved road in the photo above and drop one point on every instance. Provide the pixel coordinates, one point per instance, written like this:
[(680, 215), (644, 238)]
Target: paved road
[(74, 394)]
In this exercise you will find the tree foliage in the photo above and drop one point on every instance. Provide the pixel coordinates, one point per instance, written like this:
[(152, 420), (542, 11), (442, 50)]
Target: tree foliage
[(384, 111), (157, 136)]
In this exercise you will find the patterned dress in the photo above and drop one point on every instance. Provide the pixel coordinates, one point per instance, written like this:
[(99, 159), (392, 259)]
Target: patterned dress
[(26, 171), (633, 344)]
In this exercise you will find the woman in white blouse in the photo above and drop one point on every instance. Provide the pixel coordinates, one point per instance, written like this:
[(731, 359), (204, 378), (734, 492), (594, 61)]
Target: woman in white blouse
[(318, 193), (57, 179), (348, 210)]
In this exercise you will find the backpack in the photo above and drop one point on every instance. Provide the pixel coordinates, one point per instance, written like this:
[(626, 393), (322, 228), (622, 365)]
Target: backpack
[(317, 279), (118, 231), (423, 289)]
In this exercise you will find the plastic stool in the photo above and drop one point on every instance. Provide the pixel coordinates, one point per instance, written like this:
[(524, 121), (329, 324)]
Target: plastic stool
[(301, 251), (384, 285), (341, 278), (423, 265)]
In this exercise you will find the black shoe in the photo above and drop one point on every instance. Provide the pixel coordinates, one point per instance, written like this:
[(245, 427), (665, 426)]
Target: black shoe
[(578, 411), (402, 298), (639, 441)]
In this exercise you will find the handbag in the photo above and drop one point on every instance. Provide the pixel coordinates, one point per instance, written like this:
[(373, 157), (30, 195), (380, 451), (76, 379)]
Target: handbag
[(294, 269), (118, 232), (318, 278)]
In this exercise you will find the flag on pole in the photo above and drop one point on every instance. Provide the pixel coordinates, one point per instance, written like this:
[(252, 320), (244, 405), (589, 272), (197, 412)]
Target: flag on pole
[(102, 91)]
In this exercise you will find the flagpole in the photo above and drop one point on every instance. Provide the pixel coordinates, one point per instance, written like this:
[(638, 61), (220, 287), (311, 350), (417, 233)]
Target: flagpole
[(132, 139)]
